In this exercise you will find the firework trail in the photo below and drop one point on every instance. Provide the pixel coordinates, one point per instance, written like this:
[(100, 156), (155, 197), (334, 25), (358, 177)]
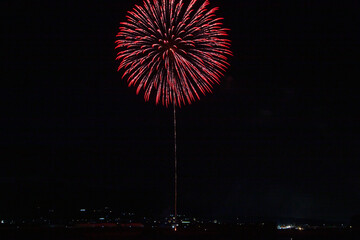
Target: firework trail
[(172, 51)]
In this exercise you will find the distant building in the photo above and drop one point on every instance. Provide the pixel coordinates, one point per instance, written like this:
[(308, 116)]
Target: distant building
[(132, 225)]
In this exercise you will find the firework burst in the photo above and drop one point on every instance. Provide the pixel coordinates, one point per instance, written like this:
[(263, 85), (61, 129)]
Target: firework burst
[(171, 51)]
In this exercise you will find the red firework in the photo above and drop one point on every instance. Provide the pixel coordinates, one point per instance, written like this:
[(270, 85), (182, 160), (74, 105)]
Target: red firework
[(172, 51)]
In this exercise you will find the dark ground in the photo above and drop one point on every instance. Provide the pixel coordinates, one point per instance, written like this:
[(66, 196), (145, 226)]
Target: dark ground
[(112, 234)]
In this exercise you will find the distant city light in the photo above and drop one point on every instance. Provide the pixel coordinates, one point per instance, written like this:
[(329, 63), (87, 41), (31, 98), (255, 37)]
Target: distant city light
[(92, 220), (282, 227)]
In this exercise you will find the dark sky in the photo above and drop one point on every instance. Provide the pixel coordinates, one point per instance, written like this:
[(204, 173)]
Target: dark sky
[(278, 138)]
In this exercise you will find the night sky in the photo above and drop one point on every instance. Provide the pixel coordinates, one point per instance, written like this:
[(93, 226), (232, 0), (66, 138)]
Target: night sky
[(279, 137)]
